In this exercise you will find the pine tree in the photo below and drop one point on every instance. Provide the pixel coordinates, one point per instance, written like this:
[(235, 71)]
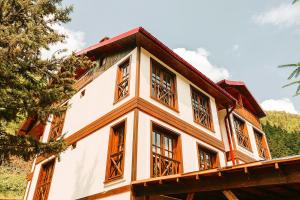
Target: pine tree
[(31, 86)]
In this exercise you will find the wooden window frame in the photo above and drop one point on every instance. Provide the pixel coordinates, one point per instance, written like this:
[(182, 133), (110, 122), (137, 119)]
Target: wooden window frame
[(109, 152), (264, 144), (119, 81), (57, 125), (245, 133), (211, 122), (162, 67), (40, 179), (215, 161), (177, 147)]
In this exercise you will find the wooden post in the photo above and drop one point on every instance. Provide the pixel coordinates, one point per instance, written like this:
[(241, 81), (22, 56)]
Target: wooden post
[(190, 196), (229, 195)]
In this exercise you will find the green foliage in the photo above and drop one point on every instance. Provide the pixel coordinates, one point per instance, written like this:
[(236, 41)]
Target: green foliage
[(31, 86), (294, 76), (283, 133), (13, 179)]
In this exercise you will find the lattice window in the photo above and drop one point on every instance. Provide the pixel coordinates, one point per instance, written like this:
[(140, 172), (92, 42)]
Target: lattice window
[(260, 143), (163, 85), (241, 133), (44, 181), (165, 153), (57, 125), (122, 89), (115, 164), (201, 109), (207, 158)]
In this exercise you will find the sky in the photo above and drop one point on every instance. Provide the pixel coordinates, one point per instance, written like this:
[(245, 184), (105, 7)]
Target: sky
[(237, 39)]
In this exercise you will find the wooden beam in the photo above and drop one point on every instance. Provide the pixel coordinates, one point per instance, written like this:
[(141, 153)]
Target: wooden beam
[(190, 196), (229, 195)]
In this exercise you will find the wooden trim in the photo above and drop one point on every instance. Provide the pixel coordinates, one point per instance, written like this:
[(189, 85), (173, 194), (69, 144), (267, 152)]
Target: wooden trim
[(211, 128), (40, 177), (175, 108), (250, 149), (179, 124), (215, 162), (239, 156), (109, 151), (150, 109), (29, 176), (135, 145), (116, 99), (138, 71), (115, 191), (177, 148)]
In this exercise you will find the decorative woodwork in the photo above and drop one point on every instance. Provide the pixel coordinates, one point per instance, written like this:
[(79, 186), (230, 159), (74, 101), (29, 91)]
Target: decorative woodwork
[(165, 158), (248, 116), (57, 126), (261, 144), (201, 109), (241, 133), (115, 162), (207, 159), (163, 85), (44, 181), (122, 85)]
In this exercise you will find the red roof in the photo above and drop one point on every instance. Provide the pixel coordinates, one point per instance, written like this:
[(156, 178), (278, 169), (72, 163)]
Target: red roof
[(248, 100), (140, 37)]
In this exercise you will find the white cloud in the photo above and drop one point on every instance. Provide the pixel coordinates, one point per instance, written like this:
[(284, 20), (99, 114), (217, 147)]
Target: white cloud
[(284, 15), (279, 105), (236, 47), (199, 59), (73, 42)]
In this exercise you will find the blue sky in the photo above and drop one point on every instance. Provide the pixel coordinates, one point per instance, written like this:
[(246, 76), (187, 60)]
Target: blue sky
[(237, 39)]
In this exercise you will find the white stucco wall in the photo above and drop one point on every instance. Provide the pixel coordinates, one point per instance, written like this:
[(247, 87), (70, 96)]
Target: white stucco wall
[(183, 93), (98, 99), (189, 147), (81, 171)]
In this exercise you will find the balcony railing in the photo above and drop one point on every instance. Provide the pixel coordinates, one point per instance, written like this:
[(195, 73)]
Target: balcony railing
[(123, 87), (243, 139), (202, 116), (116, 170), (164, 94), (164, 166)]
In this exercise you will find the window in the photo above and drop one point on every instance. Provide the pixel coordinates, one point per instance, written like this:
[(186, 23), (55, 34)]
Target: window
[(165, 152), (115, 162), (163, 85), (44, 181), (260, 143), (241, 133), (201, 109), (122, 86), (207, 158), (57, 125)]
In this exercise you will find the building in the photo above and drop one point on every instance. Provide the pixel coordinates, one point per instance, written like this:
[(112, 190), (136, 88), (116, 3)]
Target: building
[(143, 113)]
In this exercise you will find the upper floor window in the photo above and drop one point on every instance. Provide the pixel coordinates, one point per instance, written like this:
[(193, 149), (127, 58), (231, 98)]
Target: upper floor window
[(57, 125), (207, 158), (201, 109), (122, 86), (44, 181), (241, 133), (115, 163), (260, 143), (163, 85), (166, 158)]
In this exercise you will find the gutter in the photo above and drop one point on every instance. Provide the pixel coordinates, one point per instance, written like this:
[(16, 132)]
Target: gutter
[(229, 133)]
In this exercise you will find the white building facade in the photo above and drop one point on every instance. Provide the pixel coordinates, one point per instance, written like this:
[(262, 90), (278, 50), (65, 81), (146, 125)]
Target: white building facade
[(144, 113)]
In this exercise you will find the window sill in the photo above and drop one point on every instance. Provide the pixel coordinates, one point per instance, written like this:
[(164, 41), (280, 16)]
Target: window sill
[(172, 108), (209, 129), (111, 182), (120, 99)]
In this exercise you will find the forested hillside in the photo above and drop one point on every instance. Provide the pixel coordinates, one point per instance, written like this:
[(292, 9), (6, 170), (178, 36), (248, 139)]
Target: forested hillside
[(283, 133)]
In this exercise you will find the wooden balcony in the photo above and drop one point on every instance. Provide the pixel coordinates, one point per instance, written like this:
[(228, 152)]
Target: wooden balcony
[(164, 166), (248, 116)]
